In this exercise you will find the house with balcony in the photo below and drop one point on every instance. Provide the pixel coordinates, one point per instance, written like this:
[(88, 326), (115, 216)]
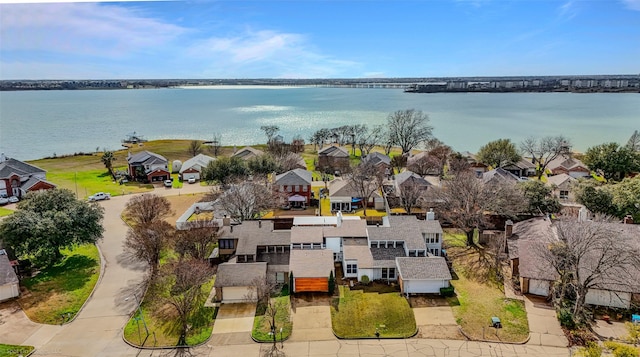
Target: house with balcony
[(146, 166), (18, 177)]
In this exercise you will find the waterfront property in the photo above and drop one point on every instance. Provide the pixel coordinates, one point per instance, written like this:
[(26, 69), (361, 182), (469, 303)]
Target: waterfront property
[(147, 166), (295, 188), (17, 178), (193, 167)]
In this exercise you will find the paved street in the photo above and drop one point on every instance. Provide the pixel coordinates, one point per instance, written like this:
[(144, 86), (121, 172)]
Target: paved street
[(97, 330)]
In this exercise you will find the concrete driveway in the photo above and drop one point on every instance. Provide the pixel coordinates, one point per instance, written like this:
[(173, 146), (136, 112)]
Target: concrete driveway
[(233, 324), (312, 320), (436, 322), (544, 327)]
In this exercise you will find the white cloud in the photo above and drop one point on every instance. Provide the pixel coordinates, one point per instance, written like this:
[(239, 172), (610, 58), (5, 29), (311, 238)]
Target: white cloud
[(568, 10), (81, 29), (632, 4)]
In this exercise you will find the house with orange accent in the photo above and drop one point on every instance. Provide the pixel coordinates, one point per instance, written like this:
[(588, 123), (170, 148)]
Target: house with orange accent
[(18, 177)]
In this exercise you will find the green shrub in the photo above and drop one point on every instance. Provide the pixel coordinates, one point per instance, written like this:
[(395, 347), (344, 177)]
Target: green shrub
[(364, 279), (448, 292), (621, 350), (332, 283), (566, 318), (592, 349), (634, 332), (285, 290)]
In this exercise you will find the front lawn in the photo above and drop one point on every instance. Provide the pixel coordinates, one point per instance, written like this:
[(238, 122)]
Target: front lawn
[(358, 315), (160, 319), (14, 350), (5, 212), (87, 182), (56, 294), (262, 328)]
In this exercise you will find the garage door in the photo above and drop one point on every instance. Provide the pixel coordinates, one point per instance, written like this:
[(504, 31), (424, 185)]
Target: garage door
[(311, 284), (234, 294), (539, 287)]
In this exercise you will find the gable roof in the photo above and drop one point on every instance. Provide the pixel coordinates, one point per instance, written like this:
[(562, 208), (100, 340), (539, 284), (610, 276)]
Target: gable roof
[(198, 162), (523, 164), (342, 188), (407, 229), (9, 167), (239, 274), (376, 158), (558, 180), (146, 158), (251, 234), (311, 263), (402, 177), (32, 181), (361, 253), (334, 151), (423, 268), (567, 163), (307, 234), (294, 177), (7, 274), (499, 174), (247, 152)]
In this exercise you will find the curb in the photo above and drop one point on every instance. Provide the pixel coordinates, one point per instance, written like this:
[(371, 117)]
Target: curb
[(494, 341)]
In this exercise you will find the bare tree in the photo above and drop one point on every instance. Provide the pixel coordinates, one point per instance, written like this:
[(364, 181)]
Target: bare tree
[(216, 143), (319, 138), (411, 193), (147, 242), (590, 255), (262, 289), (270, 131), (458, 163), (297, 144), (288, 161), (441, 155), (365, 180), (545, 150), (195, 147), (367, 139), (186, 295), (424, 165), (464, 200), (409, 128), (247, 200), (398, 162), (634, 141), (198, 240), (146, 209)]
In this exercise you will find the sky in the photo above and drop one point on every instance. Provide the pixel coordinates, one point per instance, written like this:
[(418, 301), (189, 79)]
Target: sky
[(317, 39)]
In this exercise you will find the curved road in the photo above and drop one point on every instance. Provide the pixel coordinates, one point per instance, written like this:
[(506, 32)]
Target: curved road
[(97, 330)]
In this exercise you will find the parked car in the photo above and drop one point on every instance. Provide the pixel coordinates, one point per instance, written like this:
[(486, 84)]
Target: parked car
[(14, 199), (192, 179), (99, 197), (168, 183), (3, 201)]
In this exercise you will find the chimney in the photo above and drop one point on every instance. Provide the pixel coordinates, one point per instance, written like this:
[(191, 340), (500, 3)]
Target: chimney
[(230, 229), (508, 229), (431, 216), (3, 158), (628, 219), (583, 214), (259, 223), (226, 221), (339, 221)]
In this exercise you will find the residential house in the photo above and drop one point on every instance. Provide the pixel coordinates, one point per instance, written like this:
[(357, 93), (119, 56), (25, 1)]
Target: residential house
[(476, 166), (562, 186), (147, 166), (379, 160), (333, 159), (247, 153), (499, 175), (193, 167), (407, 179), (422, 275), (296, 186), (344, 197), (235, 283), (17, 178), (568, 165), (522, 168), (9, 283)]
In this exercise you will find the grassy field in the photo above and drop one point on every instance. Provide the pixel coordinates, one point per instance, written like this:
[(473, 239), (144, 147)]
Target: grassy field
[(357, 315), (261, 327), (158, 317), (14, 351), (56, 294), (479, 297), (5, 212)]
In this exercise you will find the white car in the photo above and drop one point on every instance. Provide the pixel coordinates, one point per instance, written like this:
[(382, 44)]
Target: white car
[(168, 183), (191, 179), (14, 199), (3, 201)]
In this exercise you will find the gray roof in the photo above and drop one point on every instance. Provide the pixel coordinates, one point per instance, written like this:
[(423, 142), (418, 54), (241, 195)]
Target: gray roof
[(411, 177), (343, 188), (294, 177), (247, 153), (348, 229), (376, 158), (407, 229), (198, 162), (32, 181), (306, 234), (239, 274), (334, 151), (7, 274), (250, 235), (558, 180), (500, 174), (569, 163), (146, 158), (532, 229), (532, 265), (311, 263), (361, 253), (423, 268), (522, 164), (13, 166)]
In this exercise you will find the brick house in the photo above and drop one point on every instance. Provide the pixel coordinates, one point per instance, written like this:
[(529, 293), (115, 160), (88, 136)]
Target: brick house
[(332, 159), (296, 186), (146, 166), (17, 178)]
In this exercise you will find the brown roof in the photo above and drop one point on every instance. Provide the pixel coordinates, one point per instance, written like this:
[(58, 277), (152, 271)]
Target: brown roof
[(239, 274), (423, 268), (251, 234), (361, 253), (305, 234), (348, 228), (334, 151), (311, 263), (407, 229)]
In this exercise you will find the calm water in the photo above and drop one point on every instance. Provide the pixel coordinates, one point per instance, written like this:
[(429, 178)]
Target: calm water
[(41, 123)]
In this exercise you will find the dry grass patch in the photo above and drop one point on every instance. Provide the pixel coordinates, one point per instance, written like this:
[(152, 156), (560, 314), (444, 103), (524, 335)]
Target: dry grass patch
[(179, 204)]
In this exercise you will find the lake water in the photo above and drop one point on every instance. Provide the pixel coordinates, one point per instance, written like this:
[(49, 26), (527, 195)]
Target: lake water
[(34, 124)]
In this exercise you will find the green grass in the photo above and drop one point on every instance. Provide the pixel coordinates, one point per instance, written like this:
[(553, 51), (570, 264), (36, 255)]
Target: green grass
[(454, 238), (357, 315), (89, 182), (14, 350), (5, 212), (261, 326), (480, 298), (62, 289), (158, 318)]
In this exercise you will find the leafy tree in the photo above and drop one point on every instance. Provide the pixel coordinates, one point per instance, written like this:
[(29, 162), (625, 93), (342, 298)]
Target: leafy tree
[(147, 242), (544, 150), (539, 198), (499, 153), (195, 147), (464, 200), (612, 161), (107, 159), (596, 199), (262, 165), (247, 200), (332, 283), (147, 209), (626, 197), (408, 128), (47, 221), (224, 170)]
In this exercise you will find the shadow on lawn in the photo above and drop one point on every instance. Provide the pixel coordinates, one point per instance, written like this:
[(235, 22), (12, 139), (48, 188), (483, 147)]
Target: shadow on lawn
[(76, 270)]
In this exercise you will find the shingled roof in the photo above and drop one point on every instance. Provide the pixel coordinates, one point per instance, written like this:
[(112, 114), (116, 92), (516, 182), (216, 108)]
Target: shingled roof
[(311, 263), (10, 167), (239, 274), (294, 177), (423, 268), (7, 274)]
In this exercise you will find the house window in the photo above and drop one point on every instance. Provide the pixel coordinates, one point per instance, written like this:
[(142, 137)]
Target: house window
[(280, 277), (435, 252), (564, 194), (226, 244), (304, 188), (352, 269), (289, 188), (431, 238), (388, 273)]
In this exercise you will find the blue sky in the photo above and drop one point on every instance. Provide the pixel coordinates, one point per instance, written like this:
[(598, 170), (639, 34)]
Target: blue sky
[(318, 39)]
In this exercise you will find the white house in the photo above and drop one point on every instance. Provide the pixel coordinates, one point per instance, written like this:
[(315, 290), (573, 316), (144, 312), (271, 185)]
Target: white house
[(422, 275), (194, 166)]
